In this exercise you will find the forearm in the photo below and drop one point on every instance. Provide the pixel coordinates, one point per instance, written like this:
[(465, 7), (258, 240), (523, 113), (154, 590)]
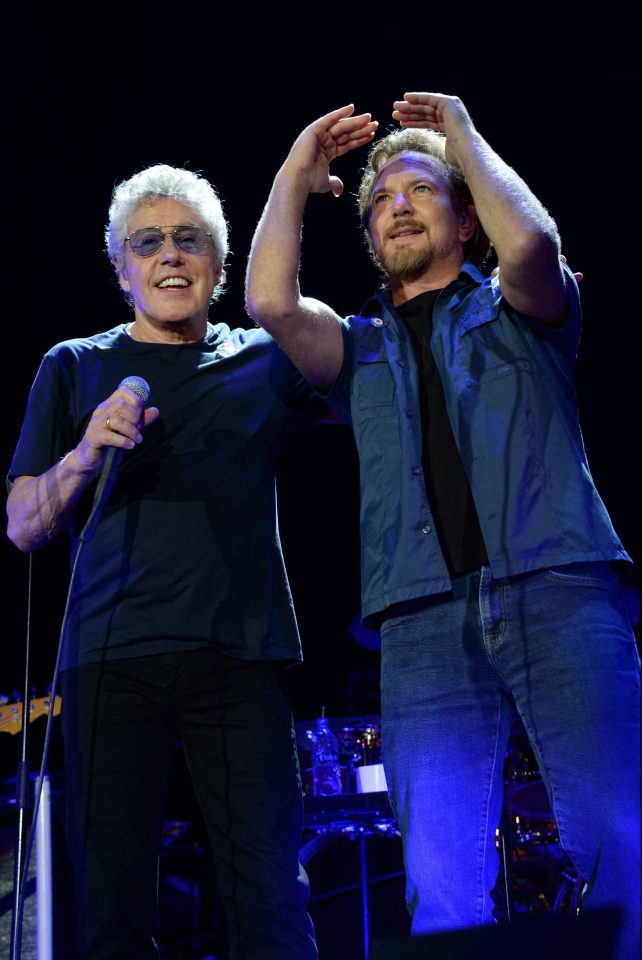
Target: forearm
[(39, 508), (523, 234), (307, 330), (273, 297), (516, 223)]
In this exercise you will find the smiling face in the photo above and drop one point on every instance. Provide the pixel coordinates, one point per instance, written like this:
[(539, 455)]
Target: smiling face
[(414, 225), (171, 289)]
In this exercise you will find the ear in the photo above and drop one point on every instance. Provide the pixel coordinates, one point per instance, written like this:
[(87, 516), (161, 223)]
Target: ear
[(467, 223), (121, 271), (218, 270)]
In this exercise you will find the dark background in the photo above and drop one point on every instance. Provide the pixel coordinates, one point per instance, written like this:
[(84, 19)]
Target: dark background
[(92, 98)]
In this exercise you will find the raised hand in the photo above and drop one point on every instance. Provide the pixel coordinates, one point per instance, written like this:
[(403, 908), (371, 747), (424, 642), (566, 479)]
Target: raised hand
[(331, 136), (435, 111)]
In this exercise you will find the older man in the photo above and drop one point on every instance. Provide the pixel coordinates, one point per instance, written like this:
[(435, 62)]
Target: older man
[(181, 621), (488, 559)]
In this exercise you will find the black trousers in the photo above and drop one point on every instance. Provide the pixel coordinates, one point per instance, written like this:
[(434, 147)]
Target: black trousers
[(121, 721)]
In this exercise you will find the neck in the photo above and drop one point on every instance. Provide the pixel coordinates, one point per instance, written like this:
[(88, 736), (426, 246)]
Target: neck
[(438, 276), (183, 331)]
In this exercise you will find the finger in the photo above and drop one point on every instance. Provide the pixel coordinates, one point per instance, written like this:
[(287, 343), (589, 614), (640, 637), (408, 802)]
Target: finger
[(418, 107), (415, 115), (117, 430), (120, 415), (353, 127), (427, 98), (329, 119), (336, 186), (428, 114), (358, 120), (353, 144), (98, 437), (126, 403), (128, 396), (425, 123), (149, 415), (339, 140), (357, 139)]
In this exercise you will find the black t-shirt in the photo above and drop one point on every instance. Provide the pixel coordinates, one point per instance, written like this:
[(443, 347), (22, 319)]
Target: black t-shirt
[(187, 551), (447, 486)]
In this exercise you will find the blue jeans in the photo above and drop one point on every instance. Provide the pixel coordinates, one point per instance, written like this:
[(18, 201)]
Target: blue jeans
[(121, 722), (557, 645)]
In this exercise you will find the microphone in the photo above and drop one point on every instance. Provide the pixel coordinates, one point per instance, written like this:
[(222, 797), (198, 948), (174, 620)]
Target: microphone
[(111, 465), (138, 386)]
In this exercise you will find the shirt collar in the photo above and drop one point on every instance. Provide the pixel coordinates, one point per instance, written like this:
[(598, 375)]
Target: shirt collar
[(383, 298)]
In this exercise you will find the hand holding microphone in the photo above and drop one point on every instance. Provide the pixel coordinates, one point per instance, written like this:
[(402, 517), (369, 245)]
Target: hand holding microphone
[(115, 426), (116, 423)]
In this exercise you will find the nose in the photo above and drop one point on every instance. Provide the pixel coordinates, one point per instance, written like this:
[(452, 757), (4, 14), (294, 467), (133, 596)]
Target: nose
[(401, 204), (170, 251)]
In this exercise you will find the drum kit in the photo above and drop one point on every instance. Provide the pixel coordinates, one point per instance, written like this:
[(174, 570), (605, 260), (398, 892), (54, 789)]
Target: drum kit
[(535, 875), (360, 746), (352, 850)]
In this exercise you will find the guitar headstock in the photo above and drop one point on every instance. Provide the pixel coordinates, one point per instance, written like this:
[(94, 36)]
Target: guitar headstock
[(11, 713)]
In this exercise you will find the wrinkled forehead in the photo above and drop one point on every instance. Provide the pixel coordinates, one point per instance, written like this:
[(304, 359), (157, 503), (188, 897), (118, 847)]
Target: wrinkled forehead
[(413, 164), (162, 212)]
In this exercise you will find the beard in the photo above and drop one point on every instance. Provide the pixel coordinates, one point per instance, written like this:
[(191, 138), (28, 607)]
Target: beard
[(409, 265), (406, 265)]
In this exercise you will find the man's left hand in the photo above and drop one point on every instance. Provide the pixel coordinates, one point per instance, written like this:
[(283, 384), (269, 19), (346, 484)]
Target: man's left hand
[(436, 111)]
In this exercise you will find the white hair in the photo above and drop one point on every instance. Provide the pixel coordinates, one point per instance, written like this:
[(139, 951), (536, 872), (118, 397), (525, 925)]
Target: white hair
[(155, 183)]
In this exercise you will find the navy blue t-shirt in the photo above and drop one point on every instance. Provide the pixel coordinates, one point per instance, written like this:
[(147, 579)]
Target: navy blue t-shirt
[(187, 550)]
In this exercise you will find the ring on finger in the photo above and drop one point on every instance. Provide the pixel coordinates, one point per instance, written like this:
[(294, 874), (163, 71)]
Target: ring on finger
[(108, 423)]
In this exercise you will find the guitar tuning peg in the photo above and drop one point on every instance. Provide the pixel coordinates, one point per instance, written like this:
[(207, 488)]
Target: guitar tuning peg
[(4, 699), (17, 696)]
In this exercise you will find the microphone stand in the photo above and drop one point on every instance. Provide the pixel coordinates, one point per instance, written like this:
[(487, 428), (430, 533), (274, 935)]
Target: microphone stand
[(105, 483), (22, 787), (103, 490)]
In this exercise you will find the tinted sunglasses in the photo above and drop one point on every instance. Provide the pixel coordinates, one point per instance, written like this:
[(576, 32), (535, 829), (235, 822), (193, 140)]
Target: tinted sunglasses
[(149, 240)]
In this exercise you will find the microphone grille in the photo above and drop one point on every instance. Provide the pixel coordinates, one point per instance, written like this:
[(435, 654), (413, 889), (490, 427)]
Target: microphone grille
[(138, 386)]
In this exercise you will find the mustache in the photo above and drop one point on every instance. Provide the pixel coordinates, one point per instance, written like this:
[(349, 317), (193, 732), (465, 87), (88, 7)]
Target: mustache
[(401, 224)]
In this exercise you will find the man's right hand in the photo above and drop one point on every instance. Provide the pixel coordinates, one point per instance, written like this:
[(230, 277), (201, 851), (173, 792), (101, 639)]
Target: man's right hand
[(331, 136), (40, 507), (308, 331), (116, 422)]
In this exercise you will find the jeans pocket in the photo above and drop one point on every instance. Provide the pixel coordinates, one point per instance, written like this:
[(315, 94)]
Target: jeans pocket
[(599, 574)]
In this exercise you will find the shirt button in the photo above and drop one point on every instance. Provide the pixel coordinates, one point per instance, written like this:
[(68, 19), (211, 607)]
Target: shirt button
[(416, 471), (401, 363), (426, 529), (408, 413)]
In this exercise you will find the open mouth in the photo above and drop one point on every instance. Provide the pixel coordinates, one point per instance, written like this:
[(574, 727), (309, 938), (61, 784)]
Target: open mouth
[(403, 230), (402, 234), (174, 282)]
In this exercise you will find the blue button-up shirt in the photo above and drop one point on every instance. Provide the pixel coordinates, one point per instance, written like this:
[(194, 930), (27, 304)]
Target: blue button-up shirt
[(510, 394)]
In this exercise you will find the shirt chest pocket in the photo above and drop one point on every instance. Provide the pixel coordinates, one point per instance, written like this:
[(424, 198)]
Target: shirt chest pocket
[(487, 349), (373, 384), (498, 369)]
